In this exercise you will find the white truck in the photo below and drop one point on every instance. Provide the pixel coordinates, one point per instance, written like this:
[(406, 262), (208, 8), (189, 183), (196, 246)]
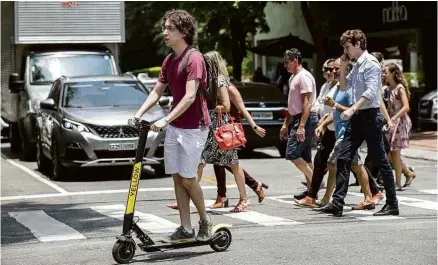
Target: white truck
[(41, 41)]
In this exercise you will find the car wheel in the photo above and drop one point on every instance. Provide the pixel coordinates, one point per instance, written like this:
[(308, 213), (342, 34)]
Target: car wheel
[(15, 138), (159, 170), (29, 150), (43, 163), (58, 170)]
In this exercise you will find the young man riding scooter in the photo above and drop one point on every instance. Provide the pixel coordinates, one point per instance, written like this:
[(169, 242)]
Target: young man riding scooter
[(185, 124)]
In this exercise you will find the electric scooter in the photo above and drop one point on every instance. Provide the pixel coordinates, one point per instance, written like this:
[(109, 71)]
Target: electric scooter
[(125, 246)]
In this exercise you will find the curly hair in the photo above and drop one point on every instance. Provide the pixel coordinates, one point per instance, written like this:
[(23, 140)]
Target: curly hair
[(184, 22), (353, 36), (399, 78)]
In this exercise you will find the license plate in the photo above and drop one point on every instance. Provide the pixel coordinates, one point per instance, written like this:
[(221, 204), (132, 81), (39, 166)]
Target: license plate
[(424, 111), (122, 146), (262, 115)]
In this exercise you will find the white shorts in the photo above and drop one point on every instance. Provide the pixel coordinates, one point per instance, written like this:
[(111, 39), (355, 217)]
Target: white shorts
[(183, 149)]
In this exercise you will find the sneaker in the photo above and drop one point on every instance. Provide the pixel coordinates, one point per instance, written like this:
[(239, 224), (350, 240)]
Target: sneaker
[(204, 233), (181, 234)]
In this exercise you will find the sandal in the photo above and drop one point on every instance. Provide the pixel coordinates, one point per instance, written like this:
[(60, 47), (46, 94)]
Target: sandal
[(173, 206), (242, 206), (260, 192), (221, 202), (409, 180)]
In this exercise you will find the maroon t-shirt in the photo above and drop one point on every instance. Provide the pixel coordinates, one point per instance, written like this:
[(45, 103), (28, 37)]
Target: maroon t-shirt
[(172, 74)]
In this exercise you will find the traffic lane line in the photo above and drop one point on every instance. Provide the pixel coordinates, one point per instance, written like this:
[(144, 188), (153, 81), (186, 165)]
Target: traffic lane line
[(15, 181), (35, 175), (96, 192)]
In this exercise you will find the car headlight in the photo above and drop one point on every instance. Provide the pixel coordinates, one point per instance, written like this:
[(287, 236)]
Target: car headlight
[(34, 105), (70, 125)]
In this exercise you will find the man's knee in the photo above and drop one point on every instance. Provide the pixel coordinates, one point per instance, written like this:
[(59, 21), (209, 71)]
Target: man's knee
[(188, 182), (177, 179), (356, 169), (331, 166)]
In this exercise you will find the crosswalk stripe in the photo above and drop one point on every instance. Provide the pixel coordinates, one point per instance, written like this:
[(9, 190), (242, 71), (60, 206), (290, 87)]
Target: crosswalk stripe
[(368, 216), (249, 216), (149, 222), (430, 191), (424, 204), (45, 227)]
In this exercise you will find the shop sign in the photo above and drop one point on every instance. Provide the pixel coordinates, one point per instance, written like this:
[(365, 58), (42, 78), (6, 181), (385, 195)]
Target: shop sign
[(395, 13)]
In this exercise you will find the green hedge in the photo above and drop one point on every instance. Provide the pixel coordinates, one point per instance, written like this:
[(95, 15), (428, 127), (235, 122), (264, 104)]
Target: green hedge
[(151, 71)]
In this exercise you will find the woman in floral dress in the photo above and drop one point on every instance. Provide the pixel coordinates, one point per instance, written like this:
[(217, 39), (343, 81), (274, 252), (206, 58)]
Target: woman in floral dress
[(398, 107)]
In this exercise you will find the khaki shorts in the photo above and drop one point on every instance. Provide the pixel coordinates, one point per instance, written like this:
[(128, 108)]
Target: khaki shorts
[(334, 155)]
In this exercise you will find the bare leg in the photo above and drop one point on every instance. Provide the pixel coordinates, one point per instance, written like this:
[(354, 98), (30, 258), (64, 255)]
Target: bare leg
[(303, 166), (331, 183), (200, 171), (397, 166), (195, 192), (240, 180), (183, 200), (363, 181)]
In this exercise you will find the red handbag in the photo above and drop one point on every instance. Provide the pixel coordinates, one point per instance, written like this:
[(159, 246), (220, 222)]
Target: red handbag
[(229, 136)]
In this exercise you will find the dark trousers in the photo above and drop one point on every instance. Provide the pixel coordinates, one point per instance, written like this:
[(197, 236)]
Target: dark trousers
[(221, 177), (375, 170), (320, 165), (325, 147), (365, 125)]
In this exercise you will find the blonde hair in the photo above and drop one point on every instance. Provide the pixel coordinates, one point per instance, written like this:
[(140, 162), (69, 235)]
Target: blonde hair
[(218, 63)]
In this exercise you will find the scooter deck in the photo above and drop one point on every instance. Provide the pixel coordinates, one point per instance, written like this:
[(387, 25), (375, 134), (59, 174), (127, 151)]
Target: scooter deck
[(163, 244)]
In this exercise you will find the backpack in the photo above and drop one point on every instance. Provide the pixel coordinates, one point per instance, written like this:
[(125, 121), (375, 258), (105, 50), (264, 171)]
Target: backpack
[(211, 88)]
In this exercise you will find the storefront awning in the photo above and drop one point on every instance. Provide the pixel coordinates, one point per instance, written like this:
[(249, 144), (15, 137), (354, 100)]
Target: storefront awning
[(276, 47)]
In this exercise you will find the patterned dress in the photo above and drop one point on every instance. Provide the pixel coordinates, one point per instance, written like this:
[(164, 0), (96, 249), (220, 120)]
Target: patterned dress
[(212, 154), (399, 138)]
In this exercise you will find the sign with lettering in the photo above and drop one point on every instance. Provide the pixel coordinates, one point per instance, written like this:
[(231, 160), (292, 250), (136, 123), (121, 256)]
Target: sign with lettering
[(395, 13)]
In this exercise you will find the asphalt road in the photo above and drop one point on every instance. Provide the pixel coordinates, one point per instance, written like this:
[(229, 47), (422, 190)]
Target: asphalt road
[(76, 221)]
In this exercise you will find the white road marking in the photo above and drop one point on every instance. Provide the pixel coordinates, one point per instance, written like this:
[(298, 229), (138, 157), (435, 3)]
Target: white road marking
[(249, 216), (424, 204), (149, 222), (96, 192), (368, 216), (36, 176), (282, 199), (45, 227), (430, 191)]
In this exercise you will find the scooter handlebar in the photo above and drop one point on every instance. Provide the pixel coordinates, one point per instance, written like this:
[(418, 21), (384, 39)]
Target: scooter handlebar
[(138, 124)]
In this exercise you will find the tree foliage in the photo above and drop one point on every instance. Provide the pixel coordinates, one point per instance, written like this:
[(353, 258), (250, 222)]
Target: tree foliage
[(227, 27)]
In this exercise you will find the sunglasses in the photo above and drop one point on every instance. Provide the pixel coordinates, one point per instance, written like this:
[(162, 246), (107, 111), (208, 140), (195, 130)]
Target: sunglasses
[(328, 69)]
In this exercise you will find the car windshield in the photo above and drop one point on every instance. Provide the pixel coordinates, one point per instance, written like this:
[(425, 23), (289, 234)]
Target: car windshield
[(104, 94), (44, 69)]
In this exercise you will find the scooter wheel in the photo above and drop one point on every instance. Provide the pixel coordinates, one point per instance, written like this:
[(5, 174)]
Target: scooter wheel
[(123, 251), (223, 242)]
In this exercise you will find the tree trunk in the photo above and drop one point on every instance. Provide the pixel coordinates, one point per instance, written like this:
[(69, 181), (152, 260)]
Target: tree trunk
[(238, 48), (314, 25)]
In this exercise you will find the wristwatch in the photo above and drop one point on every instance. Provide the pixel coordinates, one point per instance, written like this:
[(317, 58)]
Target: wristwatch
[(255, 127), (334, 106)]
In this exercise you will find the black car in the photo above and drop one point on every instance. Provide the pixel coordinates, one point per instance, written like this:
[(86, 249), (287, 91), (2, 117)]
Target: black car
[(268, 107)]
